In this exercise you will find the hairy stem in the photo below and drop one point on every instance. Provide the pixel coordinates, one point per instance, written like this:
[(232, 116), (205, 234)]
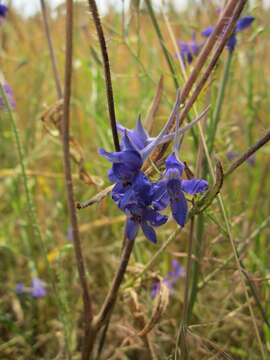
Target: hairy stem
[(107, 71), (69, 184)]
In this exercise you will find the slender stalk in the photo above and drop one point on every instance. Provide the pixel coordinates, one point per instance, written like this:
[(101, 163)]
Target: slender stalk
[(51, 50), (110, 300), (162, 42), (107, 72), (238, 162), (181, 336), (220, 98), (32, 219), (69, 184)]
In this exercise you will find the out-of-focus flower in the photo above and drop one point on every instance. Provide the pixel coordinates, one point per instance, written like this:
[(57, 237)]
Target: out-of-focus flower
[(174, 187), (37, 289), (10, 97), (170, 279), (232, 155), (241, 25), (20, 288), (189, 50), (3, 11)]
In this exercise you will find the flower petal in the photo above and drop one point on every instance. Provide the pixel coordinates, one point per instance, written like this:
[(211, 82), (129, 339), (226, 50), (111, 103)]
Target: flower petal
[(179, 209), (231, 43), (173, 163), (208, 31), (244, 22), (38, 288), (149, 232), (131, 229), (130, 157), (194, 186), (154, 217)]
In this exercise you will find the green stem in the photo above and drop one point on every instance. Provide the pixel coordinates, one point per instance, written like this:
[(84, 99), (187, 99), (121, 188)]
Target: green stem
[(32, 217), (219, 102), (162, 42)]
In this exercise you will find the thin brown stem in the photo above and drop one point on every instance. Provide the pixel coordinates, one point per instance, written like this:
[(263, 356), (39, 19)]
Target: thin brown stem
[(51, 50), (260, 143), (110, 300), (107, 72), (68, 177)]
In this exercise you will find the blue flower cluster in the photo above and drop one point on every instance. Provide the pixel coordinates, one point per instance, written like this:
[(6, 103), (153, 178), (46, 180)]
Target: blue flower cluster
[(137, 196), (242, 24), (190, 49)]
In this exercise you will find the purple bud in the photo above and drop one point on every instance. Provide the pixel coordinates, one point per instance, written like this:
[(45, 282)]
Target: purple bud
[(19, 289), (9, 94)]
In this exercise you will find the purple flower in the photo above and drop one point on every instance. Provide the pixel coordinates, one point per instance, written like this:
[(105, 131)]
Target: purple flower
[(137, 201), (138, 136), (38, 288), (171, 278), (20, 289), (232, 155), (189, 50), (9, 94), (126, 163), (174, 188), (3, 10), (241, 25)]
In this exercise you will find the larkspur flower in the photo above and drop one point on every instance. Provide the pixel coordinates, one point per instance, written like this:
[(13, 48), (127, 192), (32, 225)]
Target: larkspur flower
[(170, 279), (10, 97), (138, 136), (174, 188), (126, 163), (242, 24), (189, 50), (136, 201), (139, 198)]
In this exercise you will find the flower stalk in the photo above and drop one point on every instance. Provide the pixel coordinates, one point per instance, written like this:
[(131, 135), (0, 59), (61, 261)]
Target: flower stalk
[(88, 315)]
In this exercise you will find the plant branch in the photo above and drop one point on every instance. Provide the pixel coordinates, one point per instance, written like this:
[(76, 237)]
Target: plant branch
[(51, 50), (234, 15), (107, 72), (260, 143), (68, 177), (110, 300)]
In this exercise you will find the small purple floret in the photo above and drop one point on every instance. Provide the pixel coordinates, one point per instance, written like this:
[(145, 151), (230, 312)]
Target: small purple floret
[(10, 97)]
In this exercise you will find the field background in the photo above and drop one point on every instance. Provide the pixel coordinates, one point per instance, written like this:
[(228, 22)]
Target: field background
[(221, 323)]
